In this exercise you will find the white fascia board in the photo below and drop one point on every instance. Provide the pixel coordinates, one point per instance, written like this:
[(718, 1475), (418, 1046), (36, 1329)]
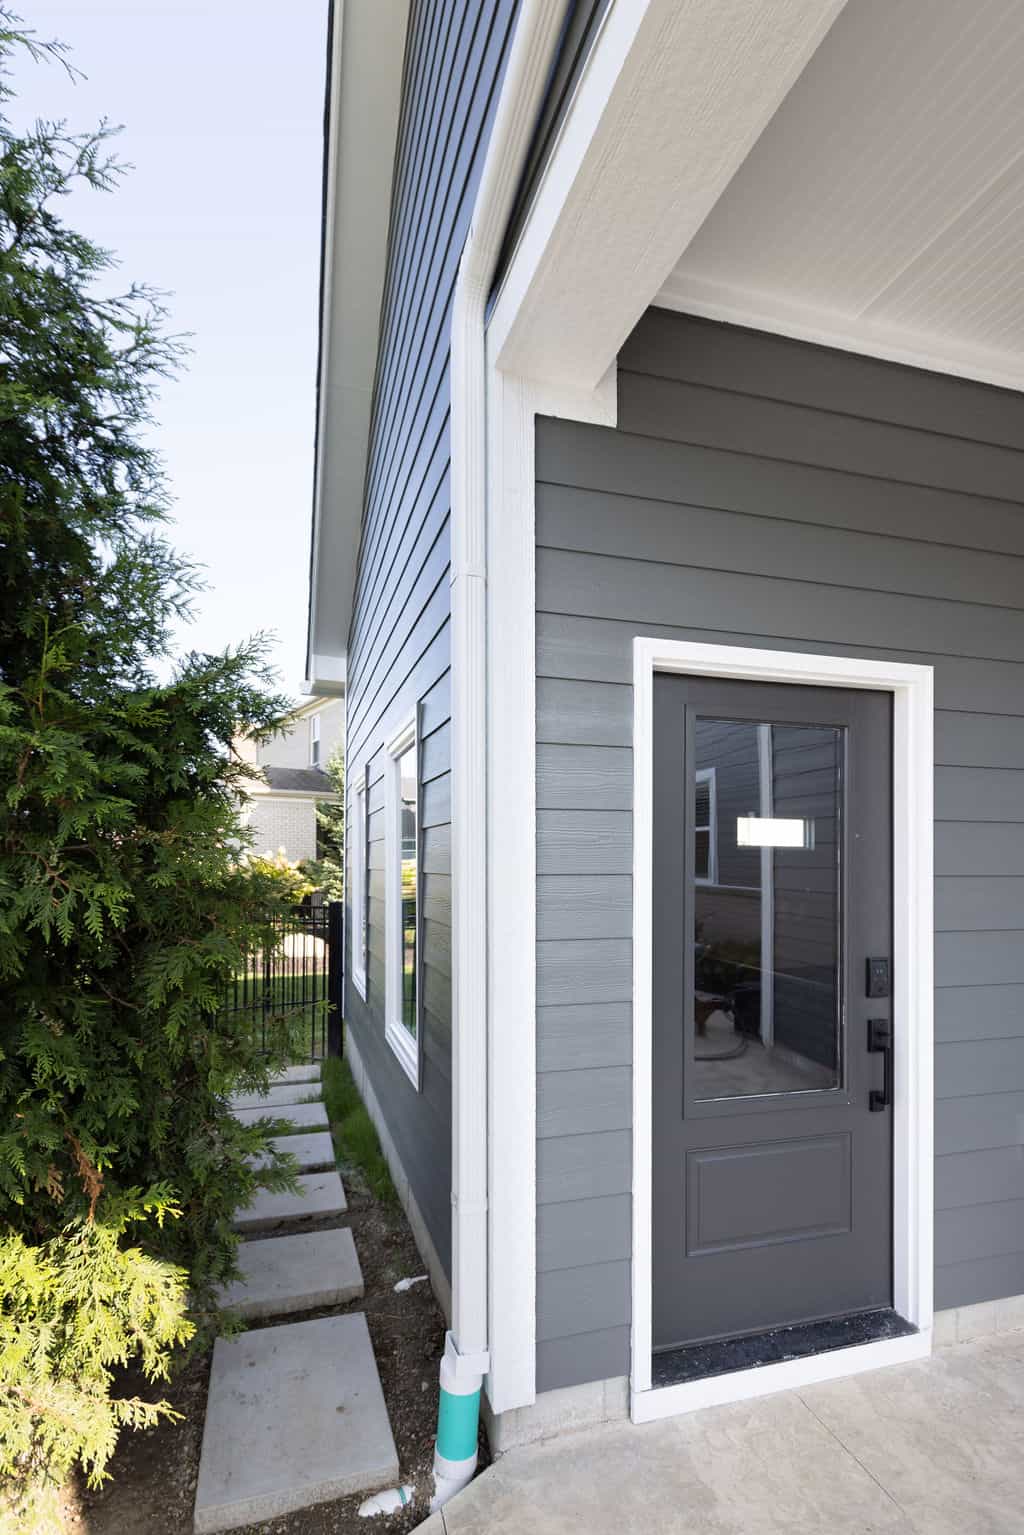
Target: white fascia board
[(328, 797), (368, 49), (327, 680), (674, 95)]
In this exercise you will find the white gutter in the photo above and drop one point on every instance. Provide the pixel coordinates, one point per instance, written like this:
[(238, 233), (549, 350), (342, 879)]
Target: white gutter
[(467, 1358)]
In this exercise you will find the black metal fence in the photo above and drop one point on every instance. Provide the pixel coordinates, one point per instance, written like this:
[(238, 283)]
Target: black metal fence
[(295, 984)]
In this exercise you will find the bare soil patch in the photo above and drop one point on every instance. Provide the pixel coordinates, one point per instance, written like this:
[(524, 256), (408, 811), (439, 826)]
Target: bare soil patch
[(153, 1484)]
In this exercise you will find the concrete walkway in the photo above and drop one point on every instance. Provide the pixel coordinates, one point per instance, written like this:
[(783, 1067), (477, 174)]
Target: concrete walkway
[(295, 1414), (932, 1448)]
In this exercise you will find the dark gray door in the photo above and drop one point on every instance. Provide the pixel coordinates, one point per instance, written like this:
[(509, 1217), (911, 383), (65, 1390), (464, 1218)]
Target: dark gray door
[(772, 892)]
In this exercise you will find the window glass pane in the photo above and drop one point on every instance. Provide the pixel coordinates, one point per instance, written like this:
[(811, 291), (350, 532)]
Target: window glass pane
[(359, 880), (363, 917), (767, 980), (408, 808)]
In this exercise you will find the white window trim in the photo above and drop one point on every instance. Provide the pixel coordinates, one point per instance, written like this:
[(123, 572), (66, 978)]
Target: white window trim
[(405, 1047), (913, 944), (314, 740), (709, 776), (358, 885)]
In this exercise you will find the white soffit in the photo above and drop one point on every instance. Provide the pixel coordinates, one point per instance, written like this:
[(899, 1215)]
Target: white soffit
[(368, 48), (673, 96), (882, 209)]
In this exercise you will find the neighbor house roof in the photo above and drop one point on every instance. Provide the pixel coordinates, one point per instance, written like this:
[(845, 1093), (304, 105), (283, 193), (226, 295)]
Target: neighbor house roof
[(288, 780)]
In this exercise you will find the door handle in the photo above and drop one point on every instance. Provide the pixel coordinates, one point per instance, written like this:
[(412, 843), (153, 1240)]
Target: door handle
[(880, 1042)]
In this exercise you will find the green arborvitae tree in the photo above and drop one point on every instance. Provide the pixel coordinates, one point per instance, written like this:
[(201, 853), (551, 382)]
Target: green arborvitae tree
[(123, 913), (327, 870)]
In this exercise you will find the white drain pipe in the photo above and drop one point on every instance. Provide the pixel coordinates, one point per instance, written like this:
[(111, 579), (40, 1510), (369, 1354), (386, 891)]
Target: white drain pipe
[(467, 1359)]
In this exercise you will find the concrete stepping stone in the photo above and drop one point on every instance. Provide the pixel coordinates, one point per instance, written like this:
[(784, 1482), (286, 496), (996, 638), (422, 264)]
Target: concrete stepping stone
[(313, 1153), (322, 1197), (308, 1072), (295, 1417), (298, 1272), (284, 1093), (304, 1116)]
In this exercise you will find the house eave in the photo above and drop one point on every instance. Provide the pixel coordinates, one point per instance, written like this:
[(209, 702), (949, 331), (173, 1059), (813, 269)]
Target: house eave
[(260, 791), (364, 90)]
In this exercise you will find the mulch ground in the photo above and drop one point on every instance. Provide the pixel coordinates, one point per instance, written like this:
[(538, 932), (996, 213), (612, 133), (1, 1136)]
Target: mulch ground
[(154, 1473)]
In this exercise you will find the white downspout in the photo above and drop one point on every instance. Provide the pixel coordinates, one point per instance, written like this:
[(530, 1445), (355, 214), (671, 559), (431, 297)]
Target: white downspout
[(467, 1359)]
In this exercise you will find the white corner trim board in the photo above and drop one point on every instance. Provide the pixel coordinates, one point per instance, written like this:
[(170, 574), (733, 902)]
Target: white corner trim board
[(913, 1109), (513, 407)]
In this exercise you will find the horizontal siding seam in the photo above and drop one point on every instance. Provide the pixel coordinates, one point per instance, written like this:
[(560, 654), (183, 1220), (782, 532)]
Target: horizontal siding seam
[(793, 522), (802, 463), (818, 582), (823, 410), (761, 641)]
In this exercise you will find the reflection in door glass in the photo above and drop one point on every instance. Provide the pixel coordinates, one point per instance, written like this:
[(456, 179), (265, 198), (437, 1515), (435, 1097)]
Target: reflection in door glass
[(767, 809)]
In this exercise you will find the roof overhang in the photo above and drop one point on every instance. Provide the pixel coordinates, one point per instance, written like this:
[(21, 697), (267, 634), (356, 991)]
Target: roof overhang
[(671, 100), (364, 91), (848, 172)]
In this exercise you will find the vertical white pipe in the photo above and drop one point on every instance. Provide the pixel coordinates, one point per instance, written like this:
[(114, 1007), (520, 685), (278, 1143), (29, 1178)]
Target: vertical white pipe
[(526, 75)]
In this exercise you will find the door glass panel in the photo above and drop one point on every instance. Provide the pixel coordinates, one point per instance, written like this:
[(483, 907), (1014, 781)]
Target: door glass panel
[(766, 812)]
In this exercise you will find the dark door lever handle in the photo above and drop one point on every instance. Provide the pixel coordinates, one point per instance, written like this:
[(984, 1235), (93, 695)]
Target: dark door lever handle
[(880, 1042)]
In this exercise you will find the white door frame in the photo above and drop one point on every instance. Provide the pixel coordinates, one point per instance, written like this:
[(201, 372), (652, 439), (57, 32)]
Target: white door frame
[(913, 766)]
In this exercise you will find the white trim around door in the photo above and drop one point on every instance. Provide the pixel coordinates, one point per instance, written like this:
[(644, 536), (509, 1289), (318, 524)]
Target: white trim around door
[(913, 766)]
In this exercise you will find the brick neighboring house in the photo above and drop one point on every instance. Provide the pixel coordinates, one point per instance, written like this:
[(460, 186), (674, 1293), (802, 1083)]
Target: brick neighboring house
[(282, 809)]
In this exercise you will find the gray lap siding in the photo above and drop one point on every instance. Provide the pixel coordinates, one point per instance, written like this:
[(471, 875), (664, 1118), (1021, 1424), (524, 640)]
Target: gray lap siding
[(763, 492), (399, 643)]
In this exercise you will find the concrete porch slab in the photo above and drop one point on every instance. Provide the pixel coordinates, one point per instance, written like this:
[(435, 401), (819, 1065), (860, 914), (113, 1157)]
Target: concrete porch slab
[(298, 1272), (295, 1417), (915, 1449), (313, 1153), (304, 1116), (309, 1071), (283, 1093), (321, 1197)]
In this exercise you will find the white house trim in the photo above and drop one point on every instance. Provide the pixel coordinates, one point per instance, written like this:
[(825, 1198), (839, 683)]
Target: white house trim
[(405, 1047), (913, 1109)]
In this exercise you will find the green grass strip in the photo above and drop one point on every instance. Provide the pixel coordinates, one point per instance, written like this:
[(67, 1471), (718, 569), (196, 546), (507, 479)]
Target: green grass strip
[(355, 1138)]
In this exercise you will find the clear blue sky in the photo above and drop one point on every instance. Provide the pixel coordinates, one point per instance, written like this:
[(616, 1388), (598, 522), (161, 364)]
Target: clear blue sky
[(222, 107)]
